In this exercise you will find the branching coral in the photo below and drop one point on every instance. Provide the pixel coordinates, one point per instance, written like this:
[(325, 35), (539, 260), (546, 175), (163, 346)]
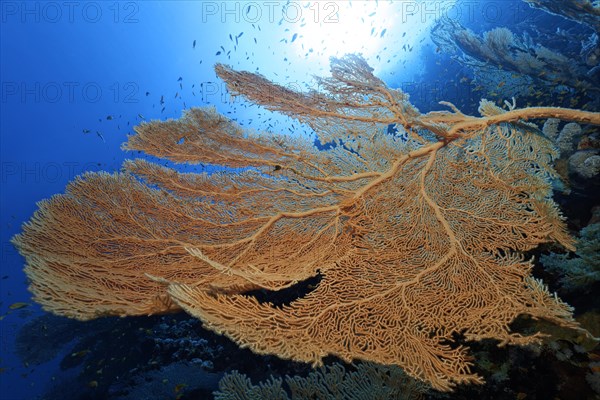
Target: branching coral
[(531, 68), (369, 381), (418, 235), (583, 270), (583, 11)]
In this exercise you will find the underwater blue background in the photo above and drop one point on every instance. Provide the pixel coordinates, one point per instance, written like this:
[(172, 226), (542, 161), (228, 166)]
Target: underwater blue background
[(78, 76)]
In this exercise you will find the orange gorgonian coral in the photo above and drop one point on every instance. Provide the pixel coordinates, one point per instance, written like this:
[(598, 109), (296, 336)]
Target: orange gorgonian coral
[(418, 234)]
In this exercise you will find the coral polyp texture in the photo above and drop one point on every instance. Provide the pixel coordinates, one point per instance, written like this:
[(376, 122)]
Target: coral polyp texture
[(418, 232)]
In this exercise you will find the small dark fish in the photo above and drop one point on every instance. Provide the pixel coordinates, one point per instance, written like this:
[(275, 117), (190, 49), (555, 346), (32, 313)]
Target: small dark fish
[(383, 32), (294, 37), (141, 116), (18, 305), (373, 13), (230, 37), (162, 99), (194, 44), (100, 136), (163, 109), (240, 35), (86, 131), (176, 94), (179, 79), (147, 94), (180, 86), (109, 117), (179, 387), (218, 53), (80, 353)]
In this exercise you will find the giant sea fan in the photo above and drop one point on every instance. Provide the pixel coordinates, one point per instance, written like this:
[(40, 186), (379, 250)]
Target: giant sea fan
[(418, 234)]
